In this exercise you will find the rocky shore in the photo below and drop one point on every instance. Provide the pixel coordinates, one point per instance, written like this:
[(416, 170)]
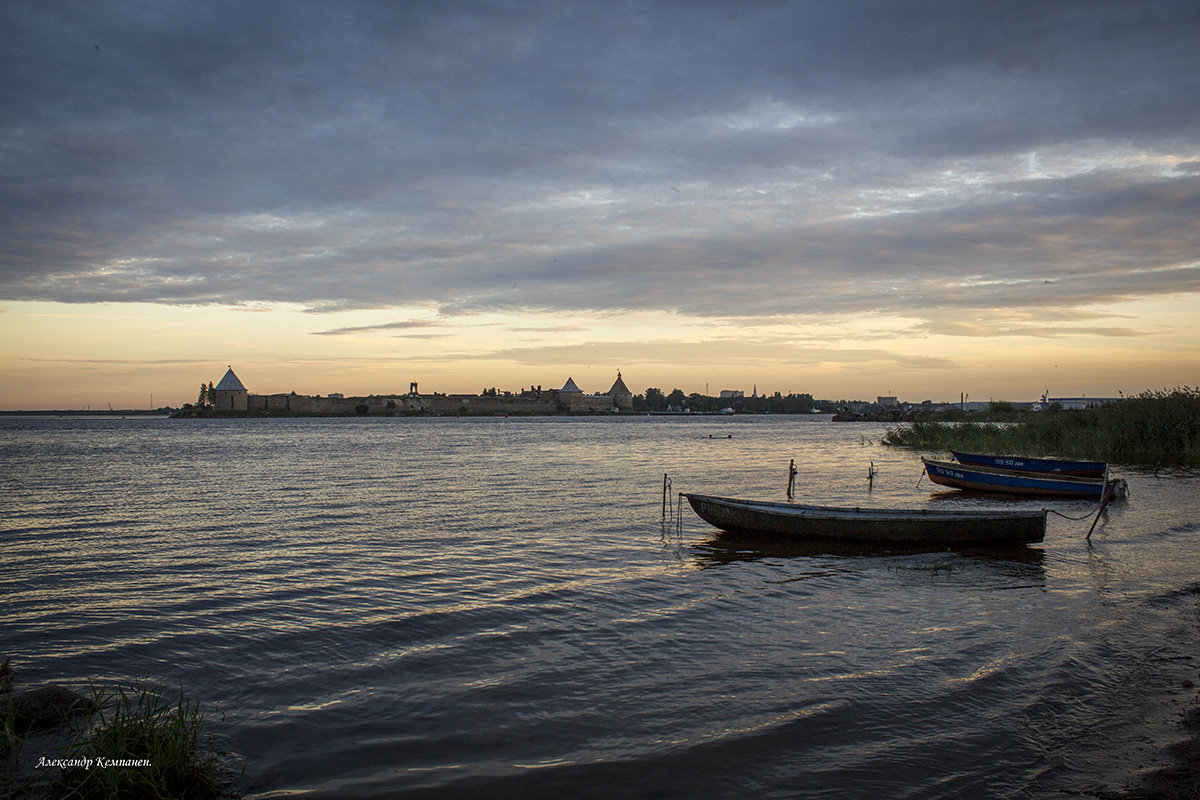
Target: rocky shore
[(35, 722), (1180, 780), (56, 742)]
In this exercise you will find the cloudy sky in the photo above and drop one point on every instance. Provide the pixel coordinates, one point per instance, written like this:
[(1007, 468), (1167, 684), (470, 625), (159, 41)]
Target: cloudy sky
[(845, 198)]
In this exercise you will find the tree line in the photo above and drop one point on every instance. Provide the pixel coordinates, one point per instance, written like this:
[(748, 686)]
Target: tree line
[(778, 403)]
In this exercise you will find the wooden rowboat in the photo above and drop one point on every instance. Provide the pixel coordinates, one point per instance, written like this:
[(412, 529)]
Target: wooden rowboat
[(967, 526), (1013, 481), (1089, 469)]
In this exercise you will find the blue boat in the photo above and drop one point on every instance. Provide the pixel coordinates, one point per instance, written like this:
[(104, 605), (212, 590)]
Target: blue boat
[(1013, 481), (1090, 469)]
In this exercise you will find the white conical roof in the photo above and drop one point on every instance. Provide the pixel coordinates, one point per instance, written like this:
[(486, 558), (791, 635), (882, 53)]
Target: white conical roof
[(570, 386), (230, 383)]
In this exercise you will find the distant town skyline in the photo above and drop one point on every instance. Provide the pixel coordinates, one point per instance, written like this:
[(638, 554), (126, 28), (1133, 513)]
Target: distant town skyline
[(151, 401), (846, 199)]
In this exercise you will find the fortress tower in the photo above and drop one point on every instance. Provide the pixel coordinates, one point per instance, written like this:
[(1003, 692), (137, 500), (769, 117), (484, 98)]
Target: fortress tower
[(618, 398), (230, 393), (622, 397)]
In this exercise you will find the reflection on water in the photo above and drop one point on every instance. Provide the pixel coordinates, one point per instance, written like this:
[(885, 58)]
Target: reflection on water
[(489, 608), (728, 547)]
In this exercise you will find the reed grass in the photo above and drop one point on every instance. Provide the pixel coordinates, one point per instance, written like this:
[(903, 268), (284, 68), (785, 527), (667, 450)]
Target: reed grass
[(1155, 427), (11, 742), (141, 743)]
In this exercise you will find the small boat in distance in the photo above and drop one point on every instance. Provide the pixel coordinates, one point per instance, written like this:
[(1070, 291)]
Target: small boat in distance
[(1014, 481), (880, 525), (1088, 469)]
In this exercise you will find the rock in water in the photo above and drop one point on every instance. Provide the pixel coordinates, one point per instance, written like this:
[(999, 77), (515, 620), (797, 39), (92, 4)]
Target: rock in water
[(48, 706)]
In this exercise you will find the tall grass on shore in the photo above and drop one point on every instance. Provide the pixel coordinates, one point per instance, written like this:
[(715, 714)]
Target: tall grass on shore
[(1155, 427), (142, 743), (11, 742)]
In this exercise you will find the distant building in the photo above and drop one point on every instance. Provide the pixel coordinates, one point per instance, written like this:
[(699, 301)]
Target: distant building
[(1082, 402), (732, 394), (622, 397), (617, 398), (229, 394), (887, 402)]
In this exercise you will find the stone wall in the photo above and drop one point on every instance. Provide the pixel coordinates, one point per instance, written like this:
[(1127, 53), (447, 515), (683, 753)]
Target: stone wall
[(532, 401), (590, 403), (374, 405), (226, 400)]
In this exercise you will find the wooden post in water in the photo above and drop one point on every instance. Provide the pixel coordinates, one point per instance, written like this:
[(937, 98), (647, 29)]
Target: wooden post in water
[(664, 504), (791, 480), (1104, 493)]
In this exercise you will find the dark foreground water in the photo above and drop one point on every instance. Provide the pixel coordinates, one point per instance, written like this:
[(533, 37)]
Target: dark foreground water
[(483, 608)]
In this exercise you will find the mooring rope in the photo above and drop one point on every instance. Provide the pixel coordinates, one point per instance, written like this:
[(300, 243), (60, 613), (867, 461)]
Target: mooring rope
[(1064, 516)]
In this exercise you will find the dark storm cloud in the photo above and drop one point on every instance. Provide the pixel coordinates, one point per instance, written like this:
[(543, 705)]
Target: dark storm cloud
[(720, 159)]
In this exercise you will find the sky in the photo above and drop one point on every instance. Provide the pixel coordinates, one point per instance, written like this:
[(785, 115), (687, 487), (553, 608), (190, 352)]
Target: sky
[(856, 198)]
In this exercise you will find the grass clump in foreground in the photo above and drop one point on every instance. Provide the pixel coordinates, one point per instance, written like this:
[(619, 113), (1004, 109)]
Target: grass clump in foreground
[(141, 743), (1155, 427)]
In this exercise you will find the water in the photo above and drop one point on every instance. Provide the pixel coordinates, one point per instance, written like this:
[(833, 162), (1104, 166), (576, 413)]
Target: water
[(493, 608)]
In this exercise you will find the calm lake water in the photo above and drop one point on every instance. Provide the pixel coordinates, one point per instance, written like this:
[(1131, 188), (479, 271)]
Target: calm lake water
[(483, 608)]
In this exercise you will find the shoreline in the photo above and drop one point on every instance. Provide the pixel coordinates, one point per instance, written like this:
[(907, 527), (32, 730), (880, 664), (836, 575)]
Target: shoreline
[(1179, 780), (145, 412)]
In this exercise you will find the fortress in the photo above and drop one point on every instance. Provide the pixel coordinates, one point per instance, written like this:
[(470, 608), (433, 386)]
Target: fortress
[(230, 395)]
